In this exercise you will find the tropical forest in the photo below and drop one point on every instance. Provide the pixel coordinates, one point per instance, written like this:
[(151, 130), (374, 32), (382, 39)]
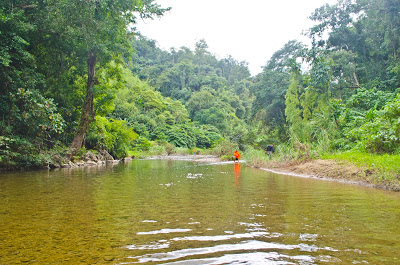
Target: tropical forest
[(77, 77)]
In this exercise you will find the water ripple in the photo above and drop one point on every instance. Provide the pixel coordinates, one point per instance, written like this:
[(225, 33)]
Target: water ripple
[(221, 237), (164, 231), (257, 258), (242, 246)]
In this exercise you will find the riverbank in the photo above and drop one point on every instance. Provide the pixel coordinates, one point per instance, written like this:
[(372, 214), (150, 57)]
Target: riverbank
[(336, 170)]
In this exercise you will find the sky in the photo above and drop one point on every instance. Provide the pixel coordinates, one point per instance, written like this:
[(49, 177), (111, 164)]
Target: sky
[(248, 30)]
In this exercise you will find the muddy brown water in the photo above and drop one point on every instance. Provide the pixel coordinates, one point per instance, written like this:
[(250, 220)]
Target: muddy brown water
[(179, 212)]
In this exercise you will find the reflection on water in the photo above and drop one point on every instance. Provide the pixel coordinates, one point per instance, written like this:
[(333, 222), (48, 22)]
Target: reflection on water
[(176, 212)]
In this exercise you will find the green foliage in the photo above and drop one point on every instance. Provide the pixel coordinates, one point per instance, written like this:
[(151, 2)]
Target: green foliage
[(111, 135), (367, 99), (16, 62), (169, 148), (381, 134), (344, 98), (147, 110), (31, 115), (142, 144), (215, 92), (181, 136), (224, 148), (385, 163), (15, 151), (157, 150), (255, 157), (292, 101)]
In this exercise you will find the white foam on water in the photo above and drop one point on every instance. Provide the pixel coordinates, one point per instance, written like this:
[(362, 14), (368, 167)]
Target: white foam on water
[(221, 237), (164, 231), (194, 176), (242, 246), (257, 258)]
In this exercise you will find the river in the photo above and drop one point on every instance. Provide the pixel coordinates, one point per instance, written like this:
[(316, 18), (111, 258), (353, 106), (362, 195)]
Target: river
[(180, 212)]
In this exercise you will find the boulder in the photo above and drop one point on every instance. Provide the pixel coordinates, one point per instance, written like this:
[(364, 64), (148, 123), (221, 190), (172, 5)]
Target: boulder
[(105, 155), (89, 156)]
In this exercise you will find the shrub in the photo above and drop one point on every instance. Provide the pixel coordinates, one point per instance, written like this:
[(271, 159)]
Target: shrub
[(382, 133), (31, 116), (112, 135), (16, 152), (224, 147), (157, 150), (255, 157), (142, 144), (169, 148)]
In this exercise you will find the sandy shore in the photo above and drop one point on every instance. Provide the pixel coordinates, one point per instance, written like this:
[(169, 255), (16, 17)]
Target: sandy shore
[(303, 175)]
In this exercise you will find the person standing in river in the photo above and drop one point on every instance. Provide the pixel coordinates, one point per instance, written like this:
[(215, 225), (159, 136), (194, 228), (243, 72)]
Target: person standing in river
[(237, 156)]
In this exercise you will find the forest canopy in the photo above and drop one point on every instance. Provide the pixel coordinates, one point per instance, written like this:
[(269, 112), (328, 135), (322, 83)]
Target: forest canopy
[(75, 74)]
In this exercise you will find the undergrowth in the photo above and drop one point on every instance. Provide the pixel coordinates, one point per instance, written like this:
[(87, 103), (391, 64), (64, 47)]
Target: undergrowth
[(388, 165)]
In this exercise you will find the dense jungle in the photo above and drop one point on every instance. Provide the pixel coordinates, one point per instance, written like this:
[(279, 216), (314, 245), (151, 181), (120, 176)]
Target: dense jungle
[(76, 76)]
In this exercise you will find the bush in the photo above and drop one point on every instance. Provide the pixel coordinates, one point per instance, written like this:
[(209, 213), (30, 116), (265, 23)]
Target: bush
[(181, 136), (182, 151), (224, 147), (382, 133), (157, 150), (31, 116), (17, 152), (169, 148), (112, 135), (255, 157), (141, 144)]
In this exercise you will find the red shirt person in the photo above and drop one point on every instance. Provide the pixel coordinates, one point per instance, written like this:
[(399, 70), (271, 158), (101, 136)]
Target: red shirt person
[(237, 155)]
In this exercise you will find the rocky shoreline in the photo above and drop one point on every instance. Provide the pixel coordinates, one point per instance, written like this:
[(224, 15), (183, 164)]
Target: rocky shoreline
[(90, 159), (104, 158)]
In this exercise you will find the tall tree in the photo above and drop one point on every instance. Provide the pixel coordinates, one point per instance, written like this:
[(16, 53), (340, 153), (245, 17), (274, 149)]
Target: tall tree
[(99, 30), (293, 110)]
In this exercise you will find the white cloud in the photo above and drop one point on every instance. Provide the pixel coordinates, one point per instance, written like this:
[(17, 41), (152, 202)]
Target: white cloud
[(250, 30)]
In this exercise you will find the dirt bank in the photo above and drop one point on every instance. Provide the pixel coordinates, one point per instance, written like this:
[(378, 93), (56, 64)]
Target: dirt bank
[(333, 170)]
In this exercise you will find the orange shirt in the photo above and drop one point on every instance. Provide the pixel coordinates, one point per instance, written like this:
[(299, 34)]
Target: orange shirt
[(237, 154)]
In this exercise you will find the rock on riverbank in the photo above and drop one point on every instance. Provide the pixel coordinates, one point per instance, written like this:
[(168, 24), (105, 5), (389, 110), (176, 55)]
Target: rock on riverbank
[(90, 159)]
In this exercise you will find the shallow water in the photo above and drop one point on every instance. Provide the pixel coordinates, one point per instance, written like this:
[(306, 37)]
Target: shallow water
[(177, 212)]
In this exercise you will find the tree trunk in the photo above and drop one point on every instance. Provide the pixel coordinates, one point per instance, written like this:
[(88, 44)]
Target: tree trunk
[(357, 84), (87, 111)]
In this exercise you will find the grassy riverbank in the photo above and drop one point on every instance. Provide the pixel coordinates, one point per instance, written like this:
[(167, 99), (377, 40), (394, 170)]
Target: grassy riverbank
[(381, 171), (386, 167)]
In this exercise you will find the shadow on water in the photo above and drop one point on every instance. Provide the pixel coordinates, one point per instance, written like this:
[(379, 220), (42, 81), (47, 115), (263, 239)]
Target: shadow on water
[(178, 212)]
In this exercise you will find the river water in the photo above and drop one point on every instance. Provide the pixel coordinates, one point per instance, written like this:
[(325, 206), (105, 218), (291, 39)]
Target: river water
[(179, 212)]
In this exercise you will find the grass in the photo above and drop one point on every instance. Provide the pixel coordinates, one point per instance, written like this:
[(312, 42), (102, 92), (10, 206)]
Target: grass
[(384, 162), (382, 170), (255, 158), (385, 166)]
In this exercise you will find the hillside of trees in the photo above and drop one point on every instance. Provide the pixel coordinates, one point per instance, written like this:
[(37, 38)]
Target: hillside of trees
[(74, 76)]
